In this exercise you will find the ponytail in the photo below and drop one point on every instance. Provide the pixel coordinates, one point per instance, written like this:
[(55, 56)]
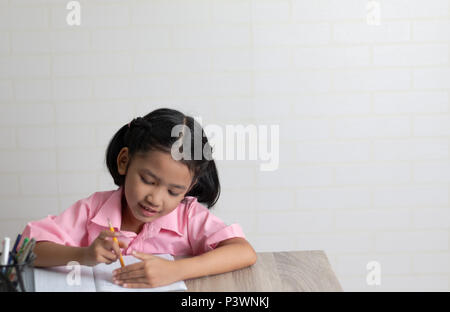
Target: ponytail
[(207, 188)]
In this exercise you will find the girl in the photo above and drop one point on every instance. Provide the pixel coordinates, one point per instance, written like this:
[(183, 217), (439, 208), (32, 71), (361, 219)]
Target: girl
[(156, 209)]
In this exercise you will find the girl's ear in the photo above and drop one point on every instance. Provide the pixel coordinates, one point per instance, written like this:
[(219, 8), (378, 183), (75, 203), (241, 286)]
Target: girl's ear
[(122, 161)]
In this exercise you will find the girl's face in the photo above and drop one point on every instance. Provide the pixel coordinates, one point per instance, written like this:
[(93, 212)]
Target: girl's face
[(155, 184)]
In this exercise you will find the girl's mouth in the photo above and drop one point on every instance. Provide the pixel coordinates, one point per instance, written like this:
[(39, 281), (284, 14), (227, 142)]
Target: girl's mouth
[(147, 211)]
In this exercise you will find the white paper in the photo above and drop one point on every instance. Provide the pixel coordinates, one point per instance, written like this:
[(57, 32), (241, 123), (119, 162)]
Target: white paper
[(103, 277), (97, 278), (62, 279)]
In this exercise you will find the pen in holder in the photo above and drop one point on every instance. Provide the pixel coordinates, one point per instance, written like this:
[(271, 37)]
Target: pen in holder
[(17, 277)]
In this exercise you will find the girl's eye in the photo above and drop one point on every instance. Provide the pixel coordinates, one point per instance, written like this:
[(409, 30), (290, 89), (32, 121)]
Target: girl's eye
[(146, 182)]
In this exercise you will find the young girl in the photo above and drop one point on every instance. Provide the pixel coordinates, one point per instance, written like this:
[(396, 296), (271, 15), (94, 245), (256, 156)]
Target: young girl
[(156, 209)]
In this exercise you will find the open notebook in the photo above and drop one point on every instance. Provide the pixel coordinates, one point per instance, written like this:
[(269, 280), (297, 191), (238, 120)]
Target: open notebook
[(92, 279)]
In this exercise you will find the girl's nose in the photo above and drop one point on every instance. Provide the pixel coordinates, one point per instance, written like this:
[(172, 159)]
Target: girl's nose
[(150, 203), (154, 200)]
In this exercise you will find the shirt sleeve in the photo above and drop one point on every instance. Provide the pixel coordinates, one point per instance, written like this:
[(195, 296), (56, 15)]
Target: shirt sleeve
[(68, 228), (205, 230)]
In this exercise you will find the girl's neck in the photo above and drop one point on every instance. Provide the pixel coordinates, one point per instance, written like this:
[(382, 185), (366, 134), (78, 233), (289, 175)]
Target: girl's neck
[(129, 223)]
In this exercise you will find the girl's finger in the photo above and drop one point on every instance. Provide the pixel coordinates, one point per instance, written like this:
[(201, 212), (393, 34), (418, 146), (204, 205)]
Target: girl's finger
[(131, 281), (107, 245), (105, 260), (136, 285), (116, 247), (109, 255), (113, 246), (105, 234), (130, 268), (130, 275), (123, 244)]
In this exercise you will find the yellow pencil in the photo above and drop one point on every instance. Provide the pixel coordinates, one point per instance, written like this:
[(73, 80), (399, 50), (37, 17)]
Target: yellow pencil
[(115, 239)]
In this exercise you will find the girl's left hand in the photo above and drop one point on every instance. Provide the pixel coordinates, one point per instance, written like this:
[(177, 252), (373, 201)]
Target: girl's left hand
[(151, 272)]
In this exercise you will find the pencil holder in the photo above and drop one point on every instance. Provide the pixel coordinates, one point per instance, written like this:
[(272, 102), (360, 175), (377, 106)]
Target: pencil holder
[(17, 277)]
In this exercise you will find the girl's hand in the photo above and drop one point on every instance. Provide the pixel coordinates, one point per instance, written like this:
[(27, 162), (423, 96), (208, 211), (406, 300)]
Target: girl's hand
[(103, 249), (151, 272)]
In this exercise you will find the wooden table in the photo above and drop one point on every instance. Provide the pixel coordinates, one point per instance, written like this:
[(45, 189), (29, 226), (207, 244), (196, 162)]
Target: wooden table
[(275, 271)]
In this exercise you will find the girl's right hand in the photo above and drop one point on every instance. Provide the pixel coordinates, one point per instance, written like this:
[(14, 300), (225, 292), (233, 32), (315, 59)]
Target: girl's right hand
[(103, 249)]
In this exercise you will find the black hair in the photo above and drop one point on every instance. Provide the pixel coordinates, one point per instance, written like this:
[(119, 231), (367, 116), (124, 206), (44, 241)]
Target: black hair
[(153, 132)]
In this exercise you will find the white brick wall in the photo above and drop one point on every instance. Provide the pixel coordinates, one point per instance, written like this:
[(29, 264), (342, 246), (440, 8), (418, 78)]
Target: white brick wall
[(363, 110)]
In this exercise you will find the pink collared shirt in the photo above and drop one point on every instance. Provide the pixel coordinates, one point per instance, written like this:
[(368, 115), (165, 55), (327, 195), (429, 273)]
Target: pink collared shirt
[(190, 229)]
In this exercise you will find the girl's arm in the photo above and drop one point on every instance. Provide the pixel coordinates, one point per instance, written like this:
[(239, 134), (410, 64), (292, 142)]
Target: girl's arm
[(52, 254), (229, 255), (152, 271), (100, 251)]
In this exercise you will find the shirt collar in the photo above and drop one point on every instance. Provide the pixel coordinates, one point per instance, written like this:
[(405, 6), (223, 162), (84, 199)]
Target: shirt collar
[(112, 209), (170, 221)]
